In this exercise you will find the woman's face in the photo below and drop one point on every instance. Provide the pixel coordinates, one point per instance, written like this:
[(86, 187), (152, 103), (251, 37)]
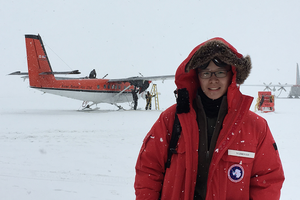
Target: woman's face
[(213, 86)]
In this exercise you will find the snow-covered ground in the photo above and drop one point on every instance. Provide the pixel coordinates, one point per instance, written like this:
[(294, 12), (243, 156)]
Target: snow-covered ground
[(50, 150)]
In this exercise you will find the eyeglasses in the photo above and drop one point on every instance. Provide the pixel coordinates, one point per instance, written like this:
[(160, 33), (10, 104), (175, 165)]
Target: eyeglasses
[(218, 74)]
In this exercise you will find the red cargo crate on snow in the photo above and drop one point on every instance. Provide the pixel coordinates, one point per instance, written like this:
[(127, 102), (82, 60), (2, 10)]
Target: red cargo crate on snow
[(265, 101)]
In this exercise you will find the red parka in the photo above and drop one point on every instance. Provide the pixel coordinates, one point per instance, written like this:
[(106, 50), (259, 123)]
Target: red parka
[(245, 163)]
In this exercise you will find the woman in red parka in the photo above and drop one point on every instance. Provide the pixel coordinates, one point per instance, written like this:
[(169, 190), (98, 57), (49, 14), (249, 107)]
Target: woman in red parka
[(225, 151)]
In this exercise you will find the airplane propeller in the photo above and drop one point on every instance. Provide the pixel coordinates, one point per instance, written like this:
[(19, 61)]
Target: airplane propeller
[(268, 86), (281, 88)]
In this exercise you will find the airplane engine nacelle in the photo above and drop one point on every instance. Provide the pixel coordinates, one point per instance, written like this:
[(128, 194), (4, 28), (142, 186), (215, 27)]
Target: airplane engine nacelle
[(144, 86), (141, 84)]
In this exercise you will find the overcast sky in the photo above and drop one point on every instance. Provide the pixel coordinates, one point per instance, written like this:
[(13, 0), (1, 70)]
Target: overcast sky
[(123, 38)]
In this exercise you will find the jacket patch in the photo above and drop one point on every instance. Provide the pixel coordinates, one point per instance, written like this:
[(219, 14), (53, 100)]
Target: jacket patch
[(245, 154), (236, 173)]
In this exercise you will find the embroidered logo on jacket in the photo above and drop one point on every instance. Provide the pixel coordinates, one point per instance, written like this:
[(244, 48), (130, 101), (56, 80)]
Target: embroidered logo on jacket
[(236, 173)]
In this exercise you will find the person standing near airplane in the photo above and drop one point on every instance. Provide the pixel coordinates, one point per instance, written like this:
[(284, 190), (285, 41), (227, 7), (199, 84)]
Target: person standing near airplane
[(148, 100), (135, 98), (225, 151)]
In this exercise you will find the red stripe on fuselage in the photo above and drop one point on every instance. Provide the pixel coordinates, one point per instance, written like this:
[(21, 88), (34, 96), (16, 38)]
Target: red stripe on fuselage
[(85, 85)]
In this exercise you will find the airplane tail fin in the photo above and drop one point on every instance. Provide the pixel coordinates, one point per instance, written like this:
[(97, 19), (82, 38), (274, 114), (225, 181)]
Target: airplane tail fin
[(39, 68), (297, 76)]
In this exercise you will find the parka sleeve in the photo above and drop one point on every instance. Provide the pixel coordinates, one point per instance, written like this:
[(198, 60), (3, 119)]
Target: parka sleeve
[(151, 160), (267, 173)]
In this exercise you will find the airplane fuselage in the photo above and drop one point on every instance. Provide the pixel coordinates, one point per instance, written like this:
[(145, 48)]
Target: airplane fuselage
[(295, 91), (95, 90)]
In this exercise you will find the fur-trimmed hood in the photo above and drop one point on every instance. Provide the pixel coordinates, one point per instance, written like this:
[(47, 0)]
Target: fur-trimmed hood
[(186, 77), (218, 47)]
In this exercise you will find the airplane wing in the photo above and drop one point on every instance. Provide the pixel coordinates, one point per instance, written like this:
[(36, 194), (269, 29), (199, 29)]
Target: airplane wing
[(141, 78), (270, 85), (142, 82), (18, 73), (45, 73), (67, 72)]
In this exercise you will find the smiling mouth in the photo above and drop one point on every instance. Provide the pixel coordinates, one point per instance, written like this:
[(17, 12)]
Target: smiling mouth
[(214, 88)]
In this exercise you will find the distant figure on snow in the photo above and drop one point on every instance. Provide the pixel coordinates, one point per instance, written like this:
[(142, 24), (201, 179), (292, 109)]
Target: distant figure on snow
[(93, 74), (135, 98), (148, 100)]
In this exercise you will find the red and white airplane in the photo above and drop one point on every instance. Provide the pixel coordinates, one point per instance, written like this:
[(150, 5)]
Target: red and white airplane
[(112, 91)]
